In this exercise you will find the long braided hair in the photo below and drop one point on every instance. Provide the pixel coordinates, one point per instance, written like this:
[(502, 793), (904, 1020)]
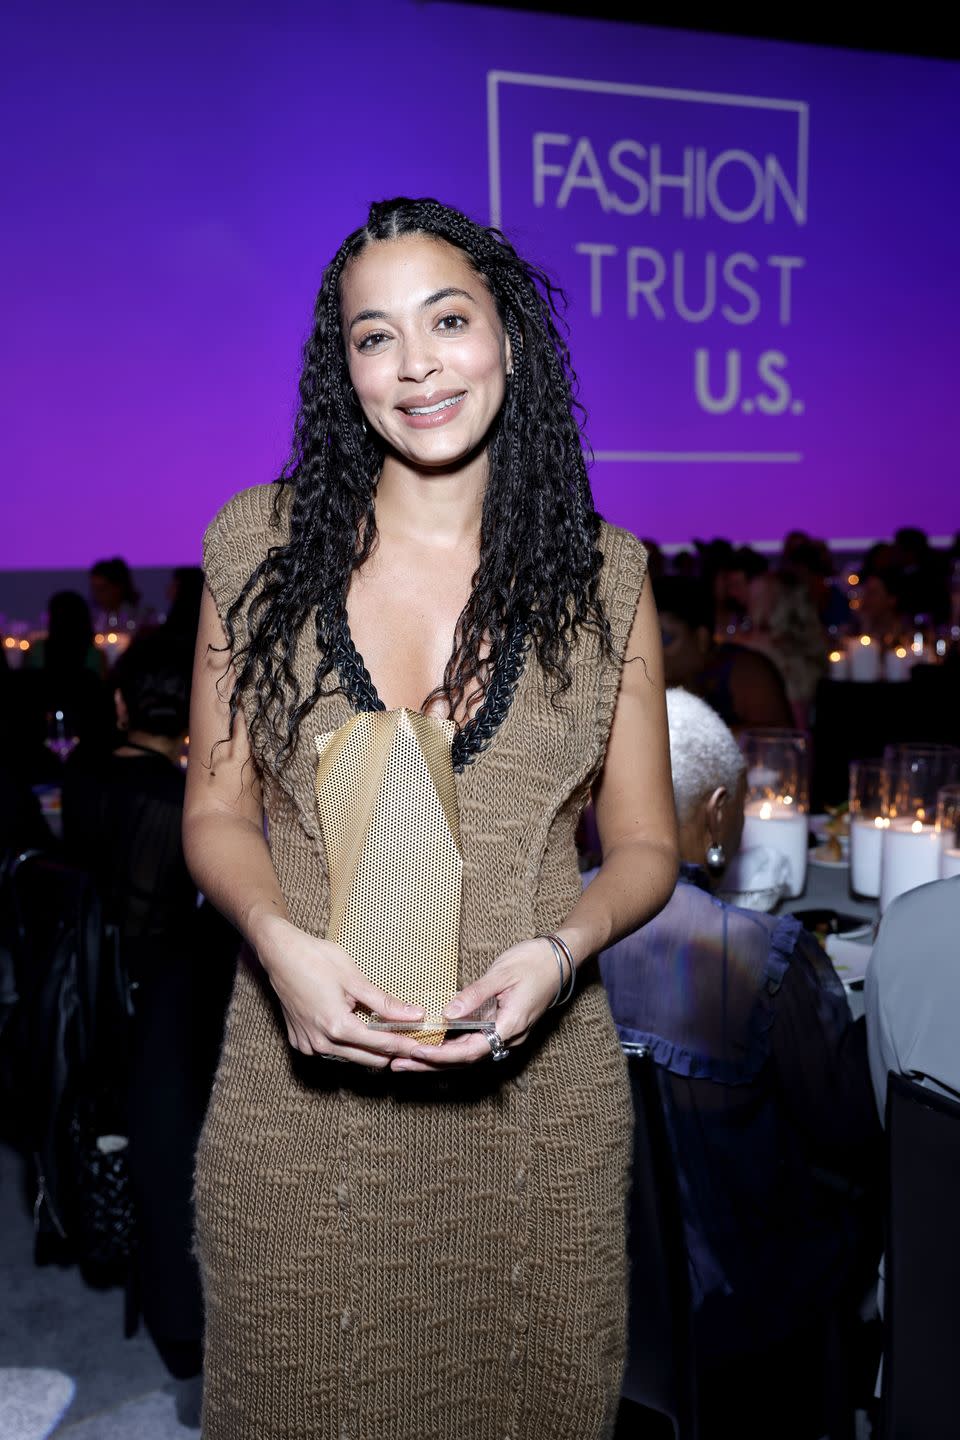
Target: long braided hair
[(539, 557)]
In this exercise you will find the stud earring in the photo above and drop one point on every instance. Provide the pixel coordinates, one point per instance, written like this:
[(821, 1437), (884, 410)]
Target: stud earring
[(716, 856)]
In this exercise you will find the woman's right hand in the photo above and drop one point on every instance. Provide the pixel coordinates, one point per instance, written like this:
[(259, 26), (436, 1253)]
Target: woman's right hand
[(319, 988)]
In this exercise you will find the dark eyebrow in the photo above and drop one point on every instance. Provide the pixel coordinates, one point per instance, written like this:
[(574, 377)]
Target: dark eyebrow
[(367, 315), (446, 294), (433, 299)]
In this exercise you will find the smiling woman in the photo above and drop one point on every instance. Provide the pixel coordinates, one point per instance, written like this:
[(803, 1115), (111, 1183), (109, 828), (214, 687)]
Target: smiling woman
[(418, 1241)]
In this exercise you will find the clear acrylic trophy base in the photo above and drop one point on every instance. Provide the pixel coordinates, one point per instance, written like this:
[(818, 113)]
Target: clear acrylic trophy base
[(482, 1019)]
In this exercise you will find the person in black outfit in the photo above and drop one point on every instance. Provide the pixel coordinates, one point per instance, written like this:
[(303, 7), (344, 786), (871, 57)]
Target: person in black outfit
[(62, 672), (122, 820)]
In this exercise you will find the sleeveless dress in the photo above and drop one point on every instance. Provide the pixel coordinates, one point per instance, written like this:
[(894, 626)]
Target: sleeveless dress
[(412, 1257)]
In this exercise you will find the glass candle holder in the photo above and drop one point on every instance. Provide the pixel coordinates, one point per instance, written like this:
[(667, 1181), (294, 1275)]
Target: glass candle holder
[(867, 824), (778, 787), (948, 830), (913, 778)]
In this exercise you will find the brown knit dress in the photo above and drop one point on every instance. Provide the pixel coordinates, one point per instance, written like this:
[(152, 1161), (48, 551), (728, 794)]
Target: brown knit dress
[(406, 1257)]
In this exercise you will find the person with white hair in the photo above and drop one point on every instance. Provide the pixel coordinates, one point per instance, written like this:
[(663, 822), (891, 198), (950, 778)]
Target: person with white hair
[(768, 1103), (709, 781)]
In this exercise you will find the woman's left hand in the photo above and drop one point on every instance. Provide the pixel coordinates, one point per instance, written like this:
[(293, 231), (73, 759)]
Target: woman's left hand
[(523, 981)]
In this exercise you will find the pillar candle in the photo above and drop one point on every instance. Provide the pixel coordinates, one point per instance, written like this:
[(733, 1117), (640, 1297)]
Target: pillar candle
[(866, 843), (898, 663), (839, 666), (863, 658), (910, 857), (779, 827)]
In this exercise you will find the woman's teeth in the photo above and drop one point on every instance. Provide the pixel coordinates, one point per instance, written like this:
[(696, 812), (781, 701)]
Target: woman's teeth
[(432, 409)]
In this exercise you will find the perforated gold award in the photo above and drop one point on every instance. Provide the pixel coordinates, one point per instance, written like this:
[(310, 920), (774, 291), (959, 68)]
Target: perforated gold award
[(387, 800)]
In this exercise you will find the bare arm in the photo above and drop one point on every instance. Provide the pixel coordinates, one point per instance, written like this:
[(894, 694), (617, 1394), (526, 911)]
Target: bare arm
[(633, 801), (317, 983), (638, 831), (223, 812)]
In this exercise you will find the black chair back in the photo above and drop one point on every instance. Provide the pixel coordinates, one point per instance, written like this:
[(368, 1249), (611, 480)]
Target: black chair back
[(660, 1372), (922, 1263), (70, 1028)]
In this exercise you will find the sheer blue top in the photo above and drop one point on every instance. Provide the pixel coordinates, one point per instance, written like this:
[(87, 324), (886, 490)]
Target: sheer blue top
[(767, 1097)]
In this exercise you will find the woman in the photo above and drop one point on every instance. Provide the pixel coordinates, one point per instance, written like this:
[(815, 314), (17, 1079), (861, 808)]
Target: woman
[(421, 1242), (767, 1098)]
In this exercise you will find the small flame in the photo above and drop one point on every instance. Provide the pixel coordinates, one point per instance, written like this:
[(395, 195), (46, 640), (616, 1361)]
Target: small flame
[(112, 637), (900, 652), (865, 640), (853, 578), (24, 644), (766, 810), (835, 655)]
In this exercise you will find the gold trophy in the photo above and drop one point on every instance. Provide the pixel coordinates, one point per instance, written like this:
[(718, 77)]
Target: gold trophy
[(387, 800)]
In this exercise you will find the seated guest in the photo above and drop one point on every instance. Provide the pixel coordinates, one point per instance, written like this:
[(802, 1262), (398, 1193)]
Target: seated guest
[(879, 610), (923, 577), (912, 995), (69, 641), (812, 564), (744, 687), (767, 1098), (122, 819), (913, 1009), (62, 673), (114, 596), (785, 627)]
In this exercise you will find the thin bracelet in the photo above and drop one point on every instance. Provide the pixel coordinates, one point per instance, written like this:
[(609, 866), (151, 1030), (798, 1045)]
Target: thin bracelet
[(573, 969), (560, 947), (559, 959)]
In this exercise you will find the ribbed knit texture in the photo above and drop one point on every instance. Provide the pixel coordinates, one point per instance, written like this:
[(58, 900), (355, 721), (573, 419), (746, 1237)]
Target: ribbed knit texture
[(392, 1257)]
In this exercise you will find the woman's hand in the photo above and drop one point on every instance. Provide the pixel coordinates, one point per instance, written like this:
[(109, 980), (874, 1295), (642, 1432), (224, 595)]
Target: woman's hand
[(319, 988), (523, 981)]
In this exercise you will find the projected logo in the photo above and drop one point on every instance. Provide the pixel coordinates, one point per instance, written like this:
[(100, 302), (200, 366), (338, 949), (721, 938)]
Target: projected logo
[(674, 220)]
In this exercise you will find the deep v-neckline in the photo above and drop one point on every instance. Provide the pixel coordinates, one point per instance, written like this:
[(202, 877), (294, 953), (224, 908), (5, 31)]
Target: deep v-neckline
[(476, 734)]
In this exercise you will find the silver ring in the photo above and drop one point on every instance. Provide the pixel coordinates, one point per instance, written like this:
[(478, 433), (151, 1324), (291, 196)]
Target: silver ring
[(340, 1059), (498, 1050)]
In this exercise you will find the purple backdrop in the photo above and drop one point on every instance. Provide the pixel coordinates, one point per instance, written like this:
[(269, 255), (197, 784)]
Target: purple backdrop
[(758, 241)]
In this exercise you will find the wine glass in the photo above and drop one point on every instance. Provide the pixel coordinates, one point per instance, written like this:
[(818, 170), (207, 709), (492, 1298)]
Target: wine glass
[(61, 739)]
